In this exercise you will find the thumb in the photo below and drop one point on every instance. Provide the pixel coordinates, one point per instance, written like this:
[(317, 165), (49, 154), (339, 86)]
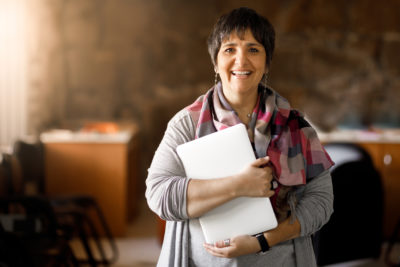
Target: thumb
[(260, 162)]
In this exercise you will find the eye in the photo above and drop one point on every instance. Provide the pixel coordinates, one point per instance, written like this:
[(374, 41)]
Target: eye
[(253, 50), (228, 50)]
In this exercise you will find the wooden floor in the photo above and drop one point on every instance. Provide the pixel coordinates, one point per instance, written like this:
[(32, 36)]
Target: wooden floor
[(141, 248)]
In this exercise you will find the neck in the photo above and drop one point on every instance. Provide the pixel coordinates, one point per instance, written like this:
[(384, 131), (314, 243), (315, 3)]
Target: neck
[(243, 104)]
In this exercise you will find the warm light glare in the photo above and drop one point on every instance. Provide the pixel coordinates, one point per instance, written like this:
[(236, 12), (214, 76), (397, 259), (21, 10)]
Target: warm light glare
[(12, 71)]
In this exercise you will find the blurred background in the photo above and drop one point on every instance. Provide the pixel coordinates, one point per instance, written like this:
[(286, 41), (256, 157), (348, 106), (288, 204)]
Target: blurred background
[(105, 76)]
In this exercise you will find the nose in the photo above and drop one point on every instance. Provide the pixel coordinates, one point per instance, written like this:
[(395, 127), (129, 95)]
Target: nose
[(241, 57)]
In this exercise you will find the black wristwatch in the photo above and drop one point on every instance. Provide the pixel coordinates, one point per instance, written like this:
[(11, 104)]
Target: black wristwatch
[(263, 243)]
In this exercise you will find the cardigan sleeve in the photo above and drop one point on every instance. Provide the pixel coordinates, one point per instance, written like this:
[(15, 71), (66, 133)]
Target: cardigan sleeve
[(315, 204), (166, 184)]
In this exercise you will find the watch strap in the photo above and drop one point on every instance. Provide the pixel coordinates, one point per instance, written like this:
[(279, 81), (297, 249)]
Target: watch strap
[(263, 242)]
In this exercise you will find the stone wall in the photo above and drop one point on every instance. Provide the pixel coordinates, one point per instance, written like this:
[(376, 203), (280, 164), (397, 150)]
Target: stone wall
[(142, 61)]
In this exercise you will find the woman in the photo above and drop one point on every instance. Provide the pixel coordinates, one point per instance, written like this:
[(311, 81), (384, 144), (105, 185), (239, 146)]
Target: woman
[(288, 151)]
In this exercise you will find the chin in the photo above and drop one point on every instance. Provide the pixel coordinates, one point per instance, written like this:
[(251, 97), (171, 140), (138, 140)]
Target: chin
[(244, 89), (240, 87)]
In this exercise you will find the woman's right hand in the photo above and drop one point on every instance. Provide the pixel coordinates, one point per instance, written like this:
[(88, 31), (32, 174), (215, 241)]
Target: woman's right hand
[(205, 195), (255, 180)]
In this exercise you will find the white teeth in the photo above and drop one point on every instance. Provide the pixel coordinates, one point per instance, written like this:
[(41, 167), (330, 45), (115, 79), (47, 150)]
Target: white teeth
[(241, 72)]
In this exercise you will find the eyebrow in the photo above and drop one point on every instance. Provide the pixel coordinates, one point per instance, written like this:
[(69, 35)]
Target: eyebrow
[(235, 44)]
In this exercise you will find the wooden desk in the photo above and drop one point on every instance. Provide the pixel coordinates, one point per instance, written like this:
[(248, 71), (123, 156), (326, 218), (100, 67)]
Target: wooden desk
[(104, 168)]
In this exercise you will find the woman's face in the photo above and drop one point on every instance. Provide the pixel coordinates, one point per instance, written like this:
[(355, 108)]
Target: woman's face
[(241, 63)]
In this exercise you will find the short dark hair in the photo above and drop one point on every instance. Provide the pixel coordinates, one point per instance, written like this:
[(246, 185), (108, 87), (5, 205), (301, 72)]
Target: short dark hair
[(239, 20)]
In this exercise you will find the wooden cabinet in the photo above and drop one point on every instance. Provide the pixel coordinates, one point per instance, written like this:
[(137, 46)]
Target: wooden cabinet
[(386, 157), (103, 169), (384, 148)]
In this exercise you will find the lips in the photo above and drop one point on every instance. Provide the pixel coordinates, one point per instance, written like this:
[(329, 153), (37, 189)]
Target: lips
[(240, 73)]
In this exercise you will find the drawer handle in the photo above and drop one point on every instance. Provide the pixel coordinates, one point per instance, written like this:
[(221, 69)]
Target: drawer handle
[(387, 159)]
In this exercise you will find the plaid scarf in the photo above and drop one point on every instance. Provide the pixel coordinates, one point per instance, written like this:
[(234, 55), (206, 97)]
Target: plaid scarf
[(295, 152)]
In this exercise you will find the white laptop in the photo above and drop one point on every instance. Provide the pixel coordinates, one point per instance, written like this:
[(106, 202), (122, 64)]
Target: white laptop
[(223, 154)]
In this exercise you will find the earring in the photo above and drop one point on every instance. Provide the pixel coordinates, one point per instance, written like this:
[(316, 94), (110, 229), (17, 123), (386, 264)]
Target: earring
[(265, 79), (216, 78)]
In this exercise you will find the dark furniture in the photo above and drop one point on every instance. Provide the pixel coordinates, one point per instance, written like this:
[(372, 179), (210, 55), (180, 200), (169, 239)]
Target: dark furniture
[(77, 217), (354, 230), (30, 234)]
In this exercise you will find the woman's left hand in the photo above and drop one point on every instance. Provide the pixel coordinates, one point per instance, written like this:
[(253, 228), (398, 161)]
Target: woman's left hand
[(240, 245)]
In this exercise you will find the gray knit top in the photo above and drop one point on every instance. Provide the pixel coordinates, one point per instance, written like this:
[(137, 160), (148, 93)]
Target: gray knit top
[(182, 246)]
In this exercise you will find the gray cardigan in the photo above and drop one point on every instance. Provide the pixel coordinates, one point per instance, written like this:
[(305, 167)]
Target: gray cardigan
[(166, 196)]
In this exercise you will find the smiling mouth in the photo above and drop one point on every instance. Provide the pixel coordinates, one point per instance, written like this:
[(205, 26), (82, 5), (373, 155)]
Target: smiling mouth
[(240, 73)]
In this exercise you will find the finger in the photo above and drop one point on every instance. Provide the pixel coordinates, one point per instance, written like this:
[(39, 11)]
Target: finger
[(214, 253), (261, 161), (206, 245), (218, 252), (216, 249), (222, 243), (270, 193), (219, 244), (268, 169), (268, 176)]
